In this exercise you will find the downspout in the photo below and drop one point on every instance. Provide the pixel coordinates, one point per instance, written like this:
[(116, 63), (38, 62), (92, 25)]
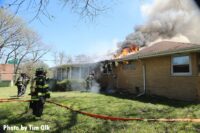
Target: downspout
[(144, 79)]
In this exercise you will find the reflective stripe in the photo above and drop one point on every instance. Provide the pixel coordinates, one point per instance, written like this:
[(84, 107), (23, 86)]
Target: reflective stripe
[(42, 86), (45, 86), (41, 94)]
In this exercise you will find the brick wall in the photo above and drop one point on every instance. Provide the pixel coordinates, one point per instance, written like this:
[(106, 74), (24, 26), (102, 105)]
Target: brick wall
[(129, 79), (159, 80), (6, 71)]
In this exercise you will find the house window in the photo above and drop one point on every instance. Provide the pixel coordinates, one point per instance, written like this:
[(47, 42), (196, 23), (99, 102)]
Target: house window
[(106, 68), (181, 65), (129, 66)]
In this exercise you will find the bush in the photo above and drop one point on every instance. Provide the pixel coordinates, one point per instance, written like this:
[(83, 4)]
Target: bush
[(63, 85), (69, 85), (52, 84), (5, 83)]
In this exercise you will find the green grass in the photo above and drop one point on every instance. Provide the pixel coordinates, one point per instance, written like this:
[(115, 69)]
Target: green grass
[(62, 120)]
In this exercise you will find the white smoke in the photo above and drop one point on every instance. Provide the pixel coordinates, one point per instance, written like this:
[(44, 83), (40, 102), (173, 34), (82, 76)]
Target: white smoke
[(167, 19), (95, 87), (177, 38)]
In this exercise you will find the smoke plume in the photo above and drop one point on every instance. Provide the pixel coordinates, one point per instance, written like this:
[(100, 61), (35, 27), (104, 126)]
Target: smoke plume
[(167, 19)]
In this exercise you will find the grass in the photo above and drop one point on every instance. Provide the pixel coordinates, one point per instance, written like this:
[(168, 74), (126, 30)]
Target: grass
[(62, 120)]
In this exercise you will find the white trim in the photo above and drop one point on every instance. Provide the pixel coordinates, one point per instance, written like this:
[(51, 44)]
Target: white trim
[(80, 72), (70, 72), (190, 66)]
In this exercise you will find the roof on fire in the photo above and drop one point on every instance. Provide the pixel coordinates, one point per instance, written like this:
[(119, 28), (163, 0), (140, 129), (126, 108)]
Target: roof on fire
[(161, 49)]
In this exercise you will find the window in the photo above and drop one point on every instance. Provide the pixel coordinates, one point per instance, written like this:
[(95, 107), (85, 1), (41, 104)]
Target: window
[(129, 66), (75, 72), (181, 65), (106, 67)]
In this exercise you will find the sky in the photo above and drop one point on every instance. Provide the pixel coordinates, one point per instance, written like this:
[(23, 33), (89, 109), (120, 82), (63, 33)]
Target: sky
[(69, 33)]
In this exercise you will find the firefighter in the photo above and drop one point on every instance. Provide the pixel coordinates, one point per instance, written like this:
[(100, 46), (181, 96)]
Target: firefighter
[(39, 92), (89, 81), (22, 82)]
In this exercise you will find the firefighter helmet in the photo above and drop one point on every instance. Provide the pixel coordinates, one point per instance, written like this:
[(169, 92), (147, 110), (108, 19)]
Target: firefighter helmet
[(40, 71), (23, 74)]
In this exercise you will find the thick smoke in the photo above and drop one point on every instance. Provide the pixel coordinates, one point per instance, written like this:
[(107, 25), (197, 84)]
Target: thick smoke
[(167, 19), (95, 88), (79, 79)]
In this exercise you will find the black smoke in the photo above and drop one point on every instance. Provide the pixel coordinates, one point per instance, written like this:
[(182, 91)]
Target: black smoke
[(197, 2)]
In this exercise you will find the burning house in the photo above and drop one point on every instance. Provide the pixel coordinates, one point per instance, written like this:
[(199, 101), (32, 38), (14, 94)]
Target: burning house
[(169, 69), (153, 60), (166, 68)]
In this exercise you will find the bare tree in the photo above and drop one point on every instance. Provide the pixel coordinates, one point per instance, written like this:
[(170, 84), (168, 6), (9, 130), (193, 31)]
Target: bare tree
[(85, 8), (18, 42), (68, 59), (55, 58), (10, 29), (61, 56), (32, 50), (38, 53), (29, 68), (14, 47)]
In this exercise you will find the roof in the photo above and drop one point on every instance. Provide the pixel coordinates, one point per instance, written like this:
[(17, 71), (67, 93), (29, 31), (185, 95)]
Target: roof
[(161, 49)]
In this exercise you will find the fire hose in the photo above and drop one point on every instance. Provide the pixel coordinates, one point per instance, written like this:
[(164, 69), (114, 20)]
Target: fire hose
[(112, 118), (13, 100)]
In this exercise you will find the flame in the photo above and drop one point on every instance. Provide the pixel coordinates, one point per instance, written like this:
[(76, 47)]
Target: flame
[(127, 51)]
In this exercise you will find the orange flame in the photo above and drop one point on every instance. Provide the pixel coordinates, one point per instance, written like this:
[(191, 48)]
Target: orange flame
[(127, 51)]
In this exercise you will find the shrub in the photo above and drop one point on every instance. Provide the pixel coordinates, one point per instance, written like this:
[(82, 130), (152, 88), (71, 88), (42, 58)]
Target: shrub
[(63, 85), (69, 85)]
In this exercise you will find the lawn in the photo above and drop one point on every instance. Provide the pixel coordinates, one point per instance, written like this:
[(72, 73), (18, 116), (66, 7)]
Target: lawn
[(63, 120)]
